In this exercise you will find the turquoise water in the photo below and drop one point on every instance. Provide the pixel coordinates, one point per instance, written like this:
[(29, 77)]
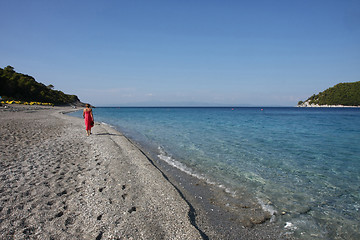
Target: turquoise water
[(305, 161)]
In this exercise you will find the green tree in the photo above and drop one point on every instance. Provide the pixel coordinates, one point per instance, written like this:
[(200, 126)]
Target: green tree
[(17, 86), (347, 94)]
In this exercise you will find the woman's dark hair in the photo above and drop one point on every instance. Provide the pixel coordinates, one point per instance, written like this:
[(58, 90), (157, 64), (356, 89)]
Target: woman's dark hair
[(87, 105)]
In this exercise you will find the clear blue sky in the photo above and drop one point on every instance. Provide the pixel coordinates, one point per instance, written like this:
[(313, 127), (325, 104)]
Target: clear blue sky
[(174, 52)]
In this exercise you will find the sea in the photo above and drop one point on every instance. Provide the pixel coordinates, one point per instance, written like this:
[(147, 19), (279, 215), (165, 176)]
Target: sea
[(304, 161)]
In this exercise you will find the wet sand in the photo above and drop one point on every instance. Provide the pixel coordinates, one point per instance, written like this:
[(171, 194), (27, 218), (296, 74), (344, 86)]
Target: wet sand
[(57, 183)]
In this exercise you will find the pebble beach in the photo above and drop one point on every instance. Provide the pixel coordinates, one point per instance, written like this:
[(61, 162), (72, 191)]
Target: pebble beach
[(57, 183)]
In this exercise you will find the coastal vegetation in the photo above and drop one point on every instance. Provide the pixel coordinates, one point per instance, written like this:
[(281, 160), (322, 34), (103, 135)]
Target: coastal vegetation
[(24, 89), (345, 94)]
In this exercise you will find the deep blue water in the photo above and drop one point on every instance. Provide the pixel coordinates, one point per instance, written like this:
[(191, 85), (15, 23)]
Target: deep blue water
[(305, 161)]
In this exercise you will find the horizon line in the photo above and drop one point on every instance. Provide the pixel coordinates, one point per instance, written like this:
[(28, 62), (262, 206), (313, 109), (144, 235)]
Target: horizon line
[(172, 106)]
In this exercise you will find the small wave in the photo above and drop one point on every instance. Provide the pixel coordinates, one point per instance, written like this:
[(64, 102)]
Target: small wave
[(228, 190), (182, 167), (268, 207), (290, 226), (104, 123), (108, 125)]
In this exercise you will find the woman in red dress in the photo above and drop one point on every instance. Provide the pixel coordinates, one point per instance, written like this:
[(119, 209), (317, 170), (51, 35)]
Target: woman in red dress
[(89, 119)]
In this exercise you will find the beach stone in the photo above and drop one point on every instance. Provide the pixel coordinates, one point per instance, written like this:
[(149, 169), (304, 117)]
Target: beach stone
[(304, 210), (247, 222)]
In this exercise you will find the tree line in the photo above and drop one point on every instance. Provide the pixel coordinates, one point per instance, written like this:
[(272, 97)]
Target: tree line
[(22, 87), (347, 94)]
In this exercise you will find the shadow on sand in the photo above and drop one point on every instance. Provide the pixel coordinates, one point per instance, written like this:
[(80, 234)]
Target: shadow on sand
[(107, 134)]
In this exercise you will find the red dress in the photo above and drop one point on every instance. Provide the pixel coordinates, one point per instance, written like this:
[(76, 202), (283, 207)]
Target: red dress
[(88, 120)]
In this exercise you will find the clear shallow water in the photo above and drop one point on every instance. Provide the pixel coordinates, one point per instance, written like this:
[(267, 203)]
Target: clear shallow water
[(305, 161)]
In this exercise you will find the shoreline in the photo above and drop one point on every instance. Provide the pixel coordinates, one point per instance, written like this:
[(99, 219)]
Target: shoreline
[(218, 212), (307, 105), (59, 184), (117, 190)]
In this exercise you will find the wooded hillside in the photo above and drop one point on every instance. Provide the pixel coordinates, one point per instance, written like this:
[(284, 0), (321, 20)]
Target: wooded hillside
[(347, 94), (18, 86)]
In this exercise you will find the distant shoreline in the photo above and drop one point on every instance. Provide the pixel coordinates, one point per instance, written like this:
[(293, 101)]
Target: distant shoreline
[(325, 106)]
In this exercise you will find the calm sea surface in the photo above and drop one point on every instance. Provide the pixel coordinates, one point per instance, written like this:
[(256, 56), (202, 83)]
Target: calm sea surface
[(306, 161)]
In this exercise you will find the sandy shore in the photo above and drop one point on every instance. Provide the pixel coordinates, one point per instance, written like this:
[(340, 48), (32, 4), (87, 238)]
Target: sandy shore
[(57, 183)]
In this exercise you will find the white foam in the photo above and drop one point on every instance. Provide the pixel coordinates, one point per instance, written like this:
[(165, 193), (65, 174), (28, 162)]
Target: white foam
[(182, 167), (291, 226), (357, 207), (172, 162), (229, 191), (108, 125), (268, 208)]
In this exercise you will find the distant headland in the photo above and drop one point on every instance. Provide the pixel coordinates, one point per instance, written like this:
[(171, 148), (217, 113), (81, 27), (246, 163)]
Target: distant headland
[(340, 95), (22, 88)]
